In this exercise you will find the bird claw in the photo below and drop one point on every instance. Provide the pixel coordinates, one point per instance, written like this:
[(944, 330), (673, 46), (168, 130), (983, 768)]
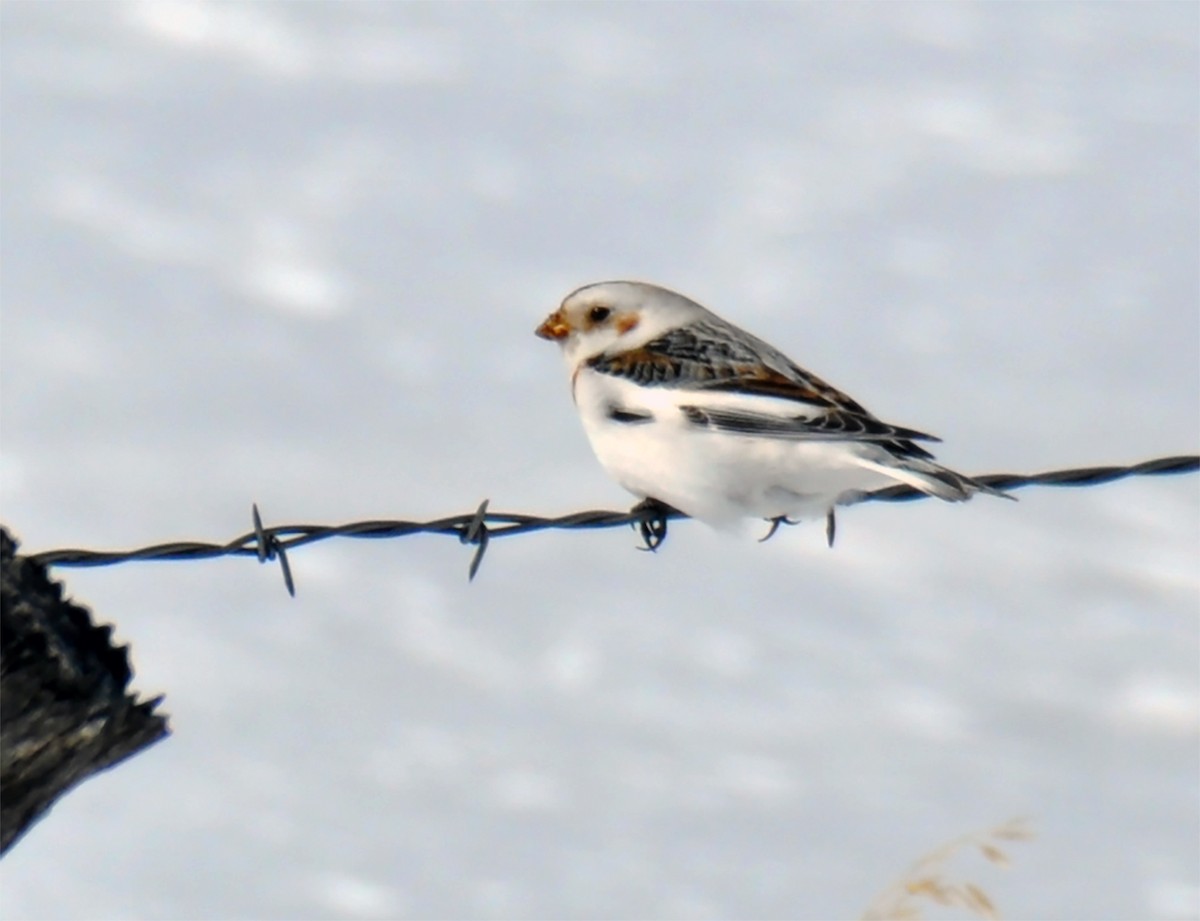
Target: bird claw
[(652, 522), (776, 523)]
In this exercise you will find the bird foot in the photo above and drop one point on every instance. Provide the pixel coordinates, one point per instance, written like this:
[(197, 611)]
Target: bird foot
[(776, 523), (652, 520)]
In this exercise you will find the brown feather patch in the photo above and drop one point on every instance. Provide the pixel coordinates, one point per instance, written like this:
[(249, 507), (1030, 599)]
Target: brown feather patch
[(764, 381), (627, 321)]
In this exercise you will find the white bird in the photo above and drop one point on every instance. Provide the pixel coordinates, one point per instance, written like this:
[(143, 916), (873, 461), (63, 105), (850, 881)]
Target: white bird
[(683, 408)]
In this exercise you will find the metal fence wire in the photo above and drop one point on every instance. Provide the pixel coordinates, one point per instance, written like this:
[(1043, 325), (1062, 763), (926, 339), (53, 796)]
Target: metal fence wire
[(477, 528)]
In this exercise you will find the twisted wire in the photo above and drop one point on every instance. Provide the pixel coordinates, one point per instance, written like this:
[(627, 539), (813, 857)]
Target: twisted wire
[(477, 528)]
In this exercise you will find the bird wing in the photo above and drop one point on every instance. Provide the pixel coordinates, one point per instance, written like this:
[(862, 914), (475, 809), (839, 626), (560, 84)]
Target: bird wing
[(764, 393)]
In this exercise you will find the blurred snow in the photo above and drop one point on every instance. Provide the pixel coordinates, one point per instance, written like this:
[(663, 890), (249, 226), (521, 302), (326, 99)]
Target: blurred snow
[(294, 254)]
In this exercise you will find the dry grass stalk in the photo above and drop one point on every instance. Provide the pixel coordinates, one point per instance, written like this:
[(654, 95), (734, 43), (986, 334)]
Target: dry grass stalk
[(926, 880)]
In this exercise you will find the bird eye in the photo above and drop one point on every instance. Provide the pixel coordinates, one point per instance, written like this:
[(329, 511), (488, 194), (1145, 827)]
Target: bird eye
[(599, 314)]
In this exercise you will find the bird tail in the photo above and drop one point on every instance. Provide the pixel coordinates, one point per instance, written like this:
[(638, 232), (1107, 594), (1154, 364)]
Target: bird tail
[(933, 479)]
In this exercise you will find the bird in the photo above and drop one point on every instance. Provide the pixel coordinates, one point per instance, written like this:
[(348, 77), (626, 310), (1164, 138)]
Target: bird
[(688, 411)]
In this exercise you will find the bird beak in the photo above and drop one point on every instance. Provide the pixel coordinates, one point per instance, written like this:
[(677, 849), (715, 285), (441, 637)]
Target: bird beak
[(554, 327)]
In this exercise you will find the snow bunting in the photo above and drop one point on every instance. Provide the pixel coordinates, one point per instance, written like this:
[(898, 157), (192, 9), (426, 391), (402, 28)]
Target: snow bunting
[(684, 408)]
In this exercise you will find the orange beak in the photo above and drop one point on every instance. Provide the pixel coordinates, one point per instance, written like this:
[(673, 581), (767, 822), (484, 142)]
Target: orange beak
[(554, 327)]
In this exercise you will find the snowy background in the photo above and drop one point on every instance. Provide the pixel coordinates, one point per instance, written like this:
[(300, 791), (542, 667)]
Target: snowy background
[(295, 254)]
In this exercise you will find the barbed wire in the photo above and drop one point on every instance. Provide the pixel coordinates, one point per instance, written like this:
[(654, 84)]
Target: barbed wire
[(479, 527)]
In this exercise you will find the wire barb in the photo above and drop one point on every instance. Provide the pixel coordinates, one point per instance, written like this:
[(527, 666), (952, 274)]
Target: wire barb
[(649, 517), (476, 532), (268, 547)]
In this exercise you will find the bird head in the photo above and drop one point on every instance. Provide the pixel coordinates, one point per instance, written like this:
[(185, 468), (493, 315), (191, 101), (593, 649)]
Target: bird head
[(615, 316)]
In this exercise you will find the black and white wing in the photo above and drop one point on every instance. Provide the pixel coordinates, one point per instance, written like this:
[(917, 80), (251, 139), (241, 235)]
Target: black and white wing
[(778, 398)]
